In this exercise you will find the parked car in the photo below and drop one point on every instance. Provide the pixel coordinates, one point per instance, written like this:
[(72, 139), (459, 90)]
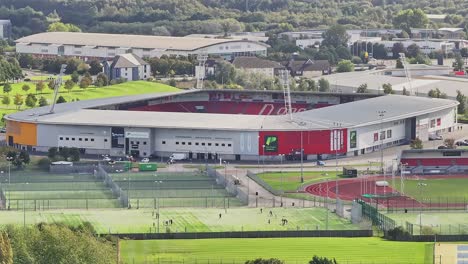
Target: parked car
[(461, 143), (145, 160), (442, 147), (3, 130), (107, 159), (320, 163), (435, 137)]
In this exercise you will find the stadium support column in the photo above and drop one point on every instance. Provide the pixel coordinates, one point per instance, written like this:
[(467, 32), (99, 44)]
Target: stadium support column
[(382, 133)]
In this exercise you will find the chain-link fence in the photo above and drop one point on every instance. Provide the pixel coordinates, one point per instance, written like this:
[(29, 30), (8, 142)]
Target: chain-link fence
[(116, 190), (429, 204)]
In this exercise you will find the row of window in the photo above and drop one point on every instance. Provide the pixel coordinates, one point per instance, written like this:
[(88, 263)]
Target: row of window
[(78, 139), (382, 135), (201, 144), (137, 142)]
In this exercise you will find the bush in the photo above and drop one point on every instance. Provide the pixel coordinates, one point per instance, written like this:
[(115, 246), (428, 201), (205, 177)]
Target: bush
[(43, 163), (397, 234), (264, 261)]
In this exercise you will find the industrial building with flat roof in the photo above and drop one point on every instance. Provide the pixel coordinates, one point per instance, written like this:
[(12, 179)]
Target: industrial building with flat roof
[(237, 125), (98, 45)]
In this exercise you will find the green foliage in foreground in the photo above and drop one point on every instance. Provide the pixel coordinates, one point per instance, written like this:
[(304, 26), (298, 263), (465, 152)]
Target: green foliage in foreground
[(290, 250), (44, 243)]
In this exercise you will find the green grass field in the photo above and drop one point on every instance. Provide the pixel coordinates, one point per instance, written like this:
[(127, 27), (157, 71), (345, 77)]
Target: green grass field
[(435, 188), (291, 250), (127, 88), (439, 223), (185, 219), (291, 181)]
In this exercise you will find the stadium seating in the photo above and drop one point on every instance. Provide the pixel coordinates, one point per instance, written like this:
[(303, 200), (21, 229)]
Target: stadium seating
[(225, 107)]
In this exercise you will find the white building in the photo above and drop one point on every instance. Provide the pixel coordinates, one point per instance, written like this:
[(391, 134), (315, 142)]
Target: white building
[(127, 66), (5, 29), (426, 45), (96, 45)]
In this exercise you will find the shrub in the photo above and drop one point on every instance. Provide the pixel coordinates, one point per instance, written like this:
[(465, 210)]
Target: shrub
[(43, 163)]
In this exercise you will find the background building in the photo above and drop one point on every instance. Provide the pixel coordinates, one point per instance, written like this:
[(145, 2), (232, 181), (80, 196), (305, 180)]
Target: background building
[(257, 65), (97, 45), (127, 66), (5, 29)]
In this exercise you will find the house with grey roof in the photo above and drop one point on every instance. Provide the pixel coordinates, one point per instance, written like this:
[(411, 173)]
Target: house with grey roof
[(308, 68), (128, 66), (257, 65)]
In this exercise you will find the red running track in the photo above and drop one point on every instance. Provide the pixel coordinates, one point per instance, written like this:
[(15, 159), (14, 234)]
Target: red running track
[(351, 189)]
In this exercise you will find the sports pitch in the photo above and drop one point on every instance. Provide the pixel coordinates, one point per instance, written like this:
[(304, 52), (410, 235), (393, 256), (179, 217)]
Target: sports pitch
[(186, 220), (291, 181), (438, 222), (434, 188), (292, 250)]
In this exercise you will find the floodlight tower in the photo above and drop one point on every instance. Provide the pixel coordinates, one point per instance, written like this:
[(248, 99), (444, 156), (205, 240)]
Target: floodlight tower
[(287, 92), (407, 72), (57, 84), (202, 57)]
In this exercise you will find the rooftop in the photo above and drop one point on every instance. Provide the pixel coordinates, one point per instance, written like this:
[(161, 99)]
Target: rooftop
[(128, 60), (124, 40), (254, 62), (354, 114)]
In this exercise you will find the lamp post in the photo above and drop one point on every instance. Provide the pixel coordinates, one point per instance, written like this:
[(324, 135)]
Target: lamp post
[(9, 159), (421, 185), (281, 175), (337, 144), (24, 205), (382, 133), (302, 160), (263, 158)]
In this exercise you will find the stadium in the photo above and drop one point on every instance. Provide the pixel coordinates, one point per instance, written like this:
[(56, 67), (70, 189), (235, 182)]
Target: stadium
[(233, 125)]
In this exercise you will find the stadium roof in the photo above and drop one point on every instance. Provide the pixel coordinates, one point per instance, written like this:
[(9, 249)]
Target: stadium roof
[(124, 40), (354, 114)]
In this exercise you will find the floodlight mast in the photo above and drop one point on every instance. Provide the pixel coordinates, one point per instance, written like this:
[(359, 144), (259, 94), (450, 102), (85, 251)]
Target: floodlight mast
[(57, 84)]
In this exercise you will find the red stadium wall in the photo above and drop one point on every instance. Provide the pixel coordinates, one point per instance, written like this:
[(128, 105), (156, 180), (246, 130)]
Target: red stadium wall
[(313, 142)]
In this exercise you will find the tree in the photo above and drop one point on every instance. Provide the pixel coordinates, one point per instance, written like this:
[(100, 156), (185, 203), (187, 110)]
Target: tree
[(24, 157), (51, 84), (25, 87), (324, 85), (413, 50), (416, 144), (398, 48), (6, 100), (85, 82), (74, 154), (322, 260), (461, 98), (6, 252), (18, 100), (399, 64), (436, 93), (60, 100), (64, 152), (40, 87), (265, 261), (101, 80), (43, 101), (230, 25), (410, 18), (75, 77), (335, 36), (7, 88), (345, 66), (387, 88), (30, 100), (52, 153), (69, 84), (95, 67), (458, 64), (450, 143), (362, 88), (61, 27)]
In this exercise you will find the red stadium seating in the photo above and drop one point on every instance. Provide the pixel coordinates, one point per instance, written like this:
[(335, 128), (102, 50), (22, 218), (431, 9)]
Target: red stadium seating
[(224, 107)]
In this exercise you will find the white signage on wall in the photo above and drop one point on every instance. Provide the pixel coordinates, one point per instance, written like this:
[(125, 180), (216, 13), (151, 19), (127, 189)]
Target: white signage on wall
[(132, 134)]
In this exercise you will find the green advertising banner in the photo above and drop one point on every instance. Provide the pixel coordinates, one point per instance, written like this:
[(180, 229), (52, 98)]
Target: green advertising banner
[(352, 139), (271, 144)]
